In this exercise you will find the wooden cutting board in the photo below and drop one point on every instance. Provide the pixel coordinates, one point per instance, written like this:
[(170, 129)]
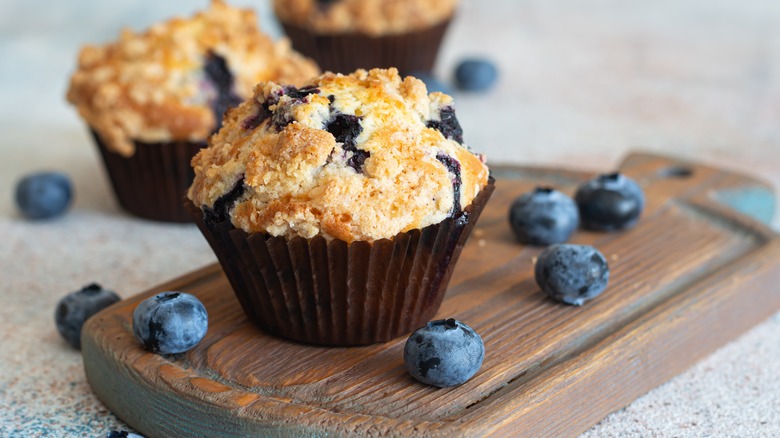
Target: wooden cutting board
[(692, 275)]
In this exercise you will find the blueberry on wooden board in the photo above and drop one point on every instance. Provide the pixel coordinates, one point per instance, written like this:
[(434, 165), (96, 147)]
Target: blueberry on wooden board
[(43, 195), (444, 353), (170, 322), (610, 202), (75, 308), (572, 274), (543, 217)]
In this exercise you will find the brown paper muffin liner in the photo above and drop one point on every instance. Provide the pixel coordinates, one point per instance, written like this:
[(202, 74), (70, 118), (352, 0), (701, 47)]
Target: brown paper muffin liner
[(339, 294), (344, 53), (152, 182)]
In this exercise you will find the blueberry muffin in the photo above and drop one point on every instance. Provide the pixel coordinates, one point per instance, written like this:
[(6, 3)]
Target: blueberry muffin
[(152, 98), (338, 209), (344, 35)]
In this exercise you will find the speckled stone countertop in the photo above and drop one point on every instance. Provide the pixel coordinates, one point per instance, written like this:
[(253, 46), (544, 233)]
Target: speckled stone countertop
[(582, 82)]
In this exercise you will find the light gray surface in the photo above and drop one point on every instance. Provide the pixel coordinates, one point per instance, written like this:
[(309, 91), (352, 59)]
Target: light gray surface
[(582, 82)]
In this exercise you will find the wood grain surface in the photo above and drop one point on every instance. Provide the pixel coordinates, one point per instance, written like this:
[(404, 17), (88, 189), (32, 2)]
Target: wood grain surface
[(692, 275)]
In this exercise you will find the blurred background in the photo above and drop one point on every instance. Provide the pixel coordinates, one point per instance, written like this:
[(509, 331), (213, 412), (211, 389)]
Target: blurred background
[(582, 83)]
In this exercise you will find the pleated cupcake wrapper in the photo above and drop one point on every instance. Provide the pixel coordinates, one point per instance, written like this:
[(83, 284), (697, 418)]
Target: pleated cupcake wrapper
[(344, 53), (152, 182), (338, 294)]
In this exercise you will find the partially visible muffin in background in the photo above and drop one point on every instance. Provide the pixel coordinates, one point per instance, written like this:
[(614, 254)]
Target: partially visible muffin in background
[(344, 35), (357, 186), (152, 98)]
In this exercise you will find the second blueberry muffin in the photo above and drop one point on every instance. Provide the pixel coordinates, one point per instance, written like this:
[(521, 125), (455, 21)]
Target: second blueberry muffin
[(152, 98), (338, 210)]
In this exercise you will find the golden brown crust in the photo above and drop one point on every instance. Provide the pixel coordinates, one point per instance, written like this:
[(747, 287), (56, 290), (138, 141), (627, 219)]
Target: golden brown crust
[(371, 17), (151, 86), (300, 172)]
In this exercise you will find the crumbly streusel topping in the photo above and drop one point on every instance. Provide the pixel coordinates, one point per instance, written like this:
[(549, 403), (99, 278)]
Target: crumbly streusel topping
[(358, 157), (174, 81), (372, 17)]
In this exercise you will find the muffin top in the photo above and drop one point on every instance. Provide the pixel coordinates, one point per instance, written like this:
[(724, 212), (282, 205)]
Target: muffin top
[(358, 157), (174, 81), (371, 17)]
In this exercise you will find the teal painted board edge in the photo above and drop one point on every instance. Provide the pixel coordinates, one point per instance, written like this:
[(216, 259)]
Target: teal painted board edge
[(757, 202)]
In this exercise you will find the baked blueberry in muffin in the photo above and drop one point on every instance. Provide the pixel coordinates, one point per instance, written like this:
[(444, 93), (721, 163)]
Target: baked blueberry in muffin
[(220, 77)]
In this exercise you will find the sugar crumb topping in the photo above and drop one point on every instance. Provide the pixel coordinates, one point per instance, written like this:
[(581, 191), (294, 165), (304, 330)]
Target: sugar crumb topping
[(172, 81), (363, 156)]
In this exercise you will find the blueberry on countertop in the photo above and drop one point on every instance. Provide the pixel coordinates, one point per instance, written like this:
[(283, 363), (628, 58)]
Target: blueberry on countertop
[(122, 434), (610, 202), (170, 322), (444, 353), (76, 307), (43, 195), (432, 83), (543, 217), (475, 75), (572, 273)]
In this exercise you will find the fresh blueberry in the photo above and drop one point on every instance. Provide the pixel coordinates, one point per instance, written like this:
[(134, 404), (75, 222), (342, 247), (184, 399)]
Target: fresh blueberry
[(543, 217), (432, 84), (43, 195), (610, 202), (475, 75), (444, 353), (572, 273), (122, 434), (170, 322), (76, 307)]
